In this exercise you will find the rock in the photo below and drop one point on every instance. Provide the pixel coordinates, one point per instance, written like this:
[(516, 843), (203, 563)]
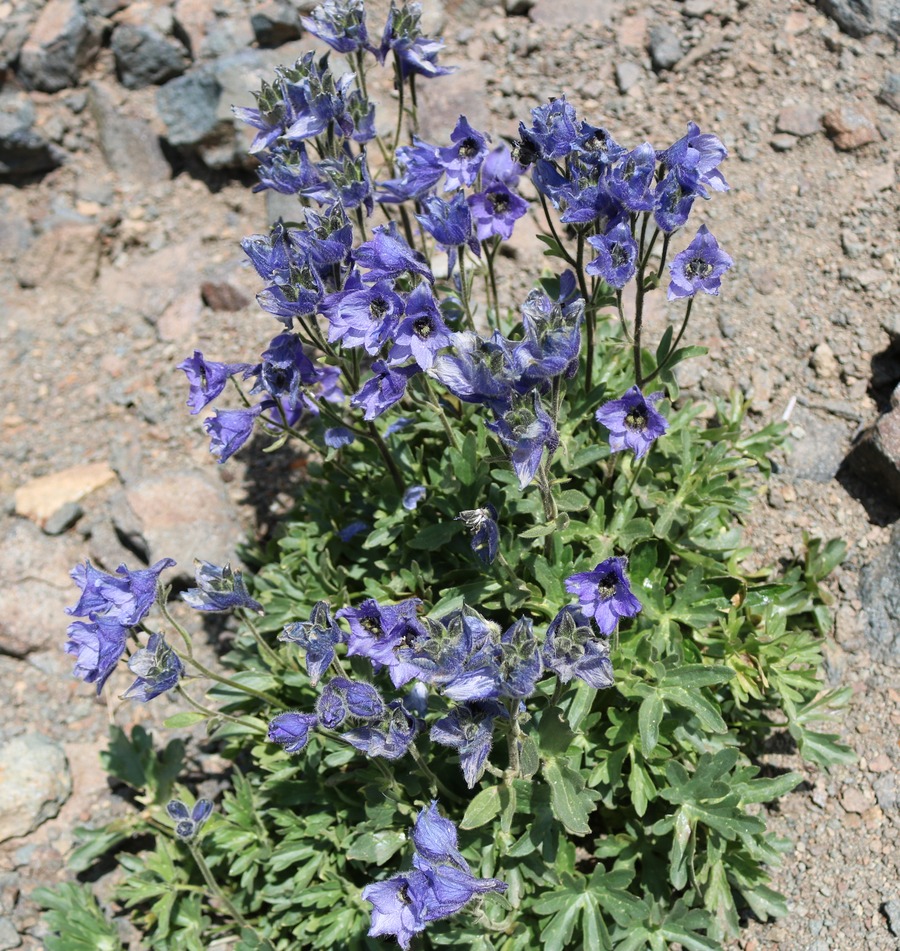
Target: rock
[(220, 295), (889, 93), (817, 446), (782, 142), (799, 120), (188, 106), (63, 519), (15, 25), (632, 33), (275, 23), (627, 75), (9, 935), (518, 8), (665, 47), (859, 18), (181, 319), (885, 788), (34, 783), (891, 911), (578, 12), (43, 497), (854, 800), (22, 150), (880, 763), (181, 515), (145, 56), (698, 8), (879, 591), (64, 40), (849, 127), (129, 145), (824, 362), (875, 457)]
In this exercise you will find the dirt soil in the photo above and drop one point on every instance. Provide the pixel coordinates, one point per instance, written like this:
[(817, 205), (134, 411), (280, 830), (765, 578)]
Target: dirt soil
[(101, 295)]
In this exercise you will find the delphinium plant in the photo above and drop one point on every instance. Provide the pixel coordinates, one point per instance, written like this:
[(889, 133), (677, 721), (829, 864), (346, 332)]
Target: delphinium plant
[(501, 680)]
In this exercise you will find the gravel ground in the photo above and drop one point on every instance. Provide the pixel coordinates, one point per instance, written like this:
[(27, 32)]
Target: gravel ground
[(110, 278)]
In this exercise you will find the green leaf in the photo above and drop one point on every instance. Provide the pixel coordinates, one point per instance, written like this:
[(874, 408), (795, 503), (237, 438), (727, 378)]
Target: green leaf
[(697, 675), (571, 500), (183, 719), (484, 807), (571, 802), (433, 537), (75, 916), (554, 732), (529, 760), (375, 848), (705, 711), (649, 718)]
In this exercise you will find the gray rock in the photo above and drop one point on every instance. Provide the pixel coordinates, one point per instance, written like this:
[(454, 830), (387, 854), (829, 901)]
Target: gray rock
[(879, 591), (63, 518), (181, 515), (698, 8), (861, 17), (665, 47), (145, 57), (14, 30), (799, 120), (34, 783), (889, 93), (573, 12), (782, 142), (9, 936), (275, 23), (22, 150), (891, 911), (64, 40), (129, 144), (875, 457), (816, 447), (518, 8), (885, 789), (188, 106), (627, 75)]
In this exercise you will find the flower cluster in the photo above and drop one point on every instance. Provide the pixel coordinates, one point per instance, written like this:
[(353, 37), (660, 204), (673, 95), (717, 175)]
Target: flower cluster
[(439, 884)]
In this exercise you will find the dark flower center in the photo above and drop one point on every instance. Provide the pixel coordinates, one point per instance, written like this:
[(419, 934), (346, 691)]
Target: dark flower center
[(468, 147), (606, 586), (697, 268), (423, 327), (596, 142), (618, 254), (629, 169), (378, 308), (371, 624), (637, 418), (498, 203)]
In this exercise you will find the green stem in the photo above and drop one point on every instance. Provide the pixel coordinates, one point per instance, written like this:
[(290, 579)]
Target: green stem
[(490, 251), (217, 713), (463, 283), (635, 474), (214, 887), (433, 400), (399, 83), (388, 458), (667, 358), (566, 256), (621, 311), (436, 784), (589, 318), (513, 738), (264, 648)]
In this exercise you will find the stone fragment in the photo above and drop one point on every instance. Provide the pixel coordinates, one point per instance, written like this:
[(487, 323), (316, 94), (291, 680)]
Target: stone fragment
[(145, 56), (23, 151), (875, 457), (633, 32), (188, 106), (628, 74), (129, 145), (817, 446), (181, 515), (824, 362), (891, 910), (885, 788), (16, 22), (859, 18), (518, 8), (220, 295), (849, 127), (889, 93), (665, 47), (181, 318), (697, 8), (34, 783), (9, 935), (577, 12), (795, 23), (879, 591), (63, 519), (74, 248), (782, 142), (43, 497), (800, 120), (64, 40), (854, 800), (880, 763), (275, 23)]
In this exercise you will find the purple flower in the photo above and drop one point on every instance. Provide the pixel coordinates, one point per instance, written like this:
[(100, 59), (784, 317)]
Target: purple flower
[(449, 222), (229, 429), (633, 421), (364, 702), (499, 168), (387, 255), (597, 148), (336, 437), (391, 739), (415, 53), (158, 669), (219, 589), (520, 664), (630, 180), (422, 170), (187, 824), (422, 332), (435, 838), (553, 335), (553, 128), (285, 369), (605, 593), (699, 267), (372, 626), (341, 24), (125, 599), (495, 211), (412, 496), (291, 730), (469, 729), (571, 650), (527, 433), (397, 906), (351, 530), (362, 316), (384, 389), (477, 371), (97, 646), (463, 159), (695, 159), (482, 525), (207, 379), (672, 204), (318, 637), (616, 261)]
